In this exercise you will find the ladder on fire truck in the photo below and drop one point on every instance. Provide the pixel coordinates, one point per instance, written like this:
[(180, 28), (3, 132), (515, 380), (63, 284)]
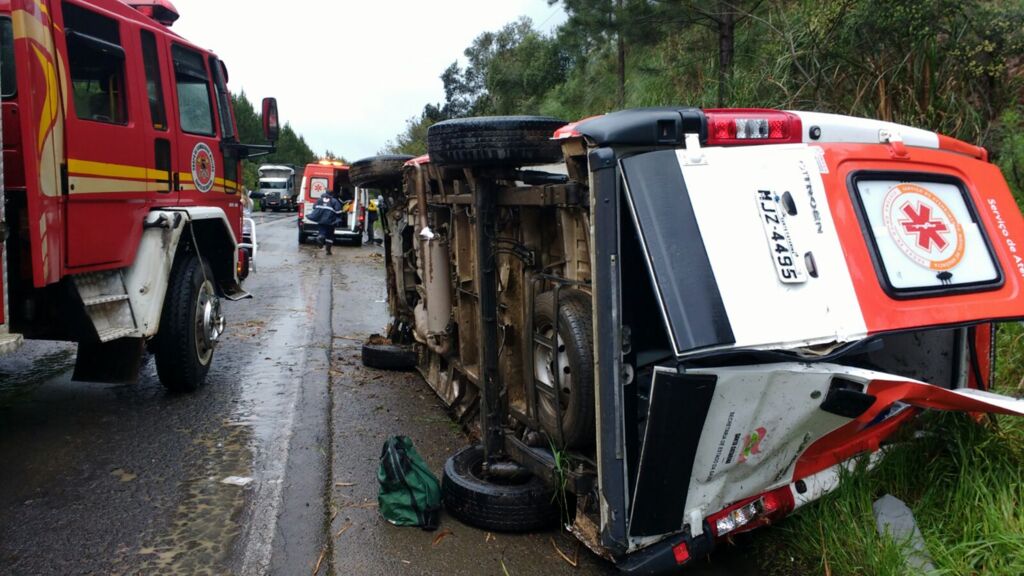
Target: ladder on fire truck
[(106, 302)]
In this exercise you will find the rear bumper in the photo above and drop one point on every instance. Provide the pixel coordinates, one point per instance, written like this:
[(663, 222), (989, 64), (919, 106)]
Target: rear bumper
[(311, 229)]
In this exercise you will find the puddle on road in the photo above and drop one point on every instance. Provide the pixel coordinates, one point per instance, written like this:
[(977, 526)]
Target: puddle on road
[(208, 519), (19, 379), (220, 528)]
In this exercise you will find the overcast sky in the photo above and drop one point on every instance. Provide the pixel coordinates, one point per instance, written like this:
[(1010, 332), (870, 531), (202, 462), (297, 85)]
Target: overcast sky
[(347, 73)]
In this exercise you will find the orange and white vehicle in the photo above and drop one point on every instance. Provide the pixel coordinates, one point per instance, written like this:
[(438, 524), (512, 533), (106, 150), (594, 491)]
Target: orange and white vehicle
[(122, 164), (709, 312), (318, 178)]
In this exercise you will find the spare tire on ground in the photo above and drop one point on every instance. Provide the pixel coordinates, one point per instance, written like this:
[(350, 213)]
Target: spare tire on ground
[(381, 171), (495, 141), (379, 352), (524, 505)]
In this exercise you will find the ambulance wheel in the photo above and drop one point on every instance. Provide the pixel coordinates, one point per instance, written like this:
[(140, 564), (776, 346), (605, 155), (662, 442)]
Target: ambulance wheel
[(303, 237), (495, 141), (190, 326), (378, 171), (574, 386), (524, 505)]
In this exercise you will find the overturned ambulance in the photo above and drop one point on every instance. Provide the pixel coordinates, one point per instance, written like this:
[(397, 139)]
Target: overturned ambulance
[(692, 319)]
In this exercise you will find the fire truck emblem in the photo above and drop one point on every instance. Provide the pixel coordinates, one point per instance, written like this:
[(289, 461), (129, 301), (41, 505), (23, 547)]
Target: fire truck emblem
[(923, 227), (204, 168)]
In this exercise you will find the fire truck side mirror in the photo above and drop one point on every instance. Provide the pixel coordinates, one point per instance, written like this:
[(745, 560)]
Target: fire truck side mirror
[(271, 126)]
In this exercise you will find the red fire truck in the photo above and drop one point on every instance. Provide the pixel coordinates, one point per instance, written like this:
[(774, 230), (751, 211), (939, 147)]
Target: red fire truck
[(121, 211)]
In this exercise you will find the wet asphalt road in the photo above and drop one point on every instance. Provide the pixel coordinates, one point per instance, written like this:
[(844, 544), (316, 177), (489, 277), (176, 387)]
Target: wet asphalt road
[(102, 479)]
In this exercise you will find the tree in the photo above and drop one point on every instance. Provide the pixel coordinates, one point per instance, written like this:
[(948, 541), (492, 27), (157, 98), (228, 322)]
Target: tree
[(291, 147), (508, 71)]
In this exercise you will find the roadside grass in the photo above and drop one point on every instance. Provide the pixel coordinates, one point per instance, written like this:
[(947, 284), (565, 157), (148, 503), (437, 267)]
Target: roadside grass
[(963, 479)]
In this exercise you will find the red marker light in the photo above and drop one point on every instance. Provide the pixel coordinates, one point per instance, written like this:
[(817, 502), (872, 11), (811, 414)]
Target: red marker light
[(681, 552)]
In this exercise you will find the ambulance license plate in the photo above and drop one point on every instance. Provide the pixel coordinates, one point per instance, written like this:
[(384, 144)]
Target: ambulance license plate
[(787, 260)]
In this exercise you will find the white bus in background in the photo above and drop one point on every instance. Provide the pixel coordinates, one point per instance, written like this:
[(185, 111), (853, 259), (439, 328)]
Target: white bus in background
[(278, 188)]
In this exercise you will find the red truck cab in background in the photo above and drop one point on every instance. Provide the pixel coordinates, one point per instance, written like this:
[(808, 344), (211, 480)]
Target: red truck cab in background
[(122, 172)]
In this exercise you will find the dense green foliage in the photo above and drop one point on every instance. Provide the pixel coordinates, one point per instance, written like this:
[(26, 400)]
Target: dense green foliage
[(947, 65), (291, 147)]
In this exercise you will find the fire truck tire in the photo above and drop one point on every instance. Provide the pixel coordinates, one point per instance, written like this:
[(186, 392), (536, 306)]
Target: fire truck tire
[(494, 141), (513, 506), (575, 386), (389, 356), (183, 355), (378, 171)]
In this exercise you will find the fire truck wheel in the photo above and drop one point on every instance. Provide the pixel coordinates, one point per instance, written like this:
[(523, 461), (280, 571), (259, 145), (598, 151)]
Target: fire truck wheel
[(574, 385), (524, 505), (378, 171), (190, 326), (494, 141), (389, 356)]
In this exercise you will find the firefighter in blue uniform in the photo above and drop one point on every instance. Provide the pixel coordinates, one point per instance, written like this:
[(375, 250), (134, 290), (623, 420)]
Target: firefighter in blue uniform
[(327, 215)]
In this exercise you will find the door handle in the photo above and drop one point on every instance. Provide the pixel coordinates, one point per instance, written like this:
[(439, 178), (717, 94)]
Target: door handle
[(162, 162)]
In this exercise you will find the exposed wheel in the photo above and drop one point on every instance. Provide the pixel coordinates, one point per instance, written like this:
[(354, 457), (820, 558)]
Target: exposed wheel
[(388, 356), (378, 171), (574, 386), (522, 506), (494, 141), (190, 326), (303, 237)]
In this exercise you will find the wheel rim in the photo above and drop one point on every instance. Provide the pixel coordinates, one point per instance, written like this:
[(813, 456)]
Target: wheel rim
[(209, 322), (549, 385)]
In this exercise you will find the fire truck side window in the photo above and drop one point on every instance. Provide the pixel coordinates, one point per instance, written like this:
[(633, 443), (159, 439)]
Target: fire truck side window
[(8, 82), (96, 61), (154, 82), (194, 107)]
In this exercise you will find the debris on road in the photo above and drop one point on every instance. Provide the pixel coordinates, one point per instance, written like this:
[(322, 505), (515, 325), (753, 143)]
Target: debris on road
[(320, 561), (440, 537), (237, 480), (574, 561), (342, 530), (892, 516)]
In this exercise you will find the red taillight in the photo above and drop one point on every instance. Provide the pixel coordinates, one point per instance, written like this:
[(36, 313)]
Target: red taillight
[(751, 513), (752, 126), (681, 552), (242, 269), (302, 211)]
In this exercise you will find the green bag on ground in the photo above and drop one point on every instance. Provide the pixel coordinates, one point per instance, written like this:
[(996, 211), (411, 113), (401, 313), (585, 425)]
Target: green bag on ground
[(409, 494)]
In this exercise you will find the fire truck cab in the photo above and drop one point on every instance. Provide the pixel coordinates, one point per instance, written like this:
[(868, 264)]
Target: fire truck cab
[(121, 186)]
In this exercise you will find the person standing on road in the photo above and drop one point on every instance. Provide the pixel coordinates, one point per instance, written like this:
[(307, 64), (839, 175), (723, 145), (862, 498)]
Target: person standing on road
[(327, 215), (371, 218)]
